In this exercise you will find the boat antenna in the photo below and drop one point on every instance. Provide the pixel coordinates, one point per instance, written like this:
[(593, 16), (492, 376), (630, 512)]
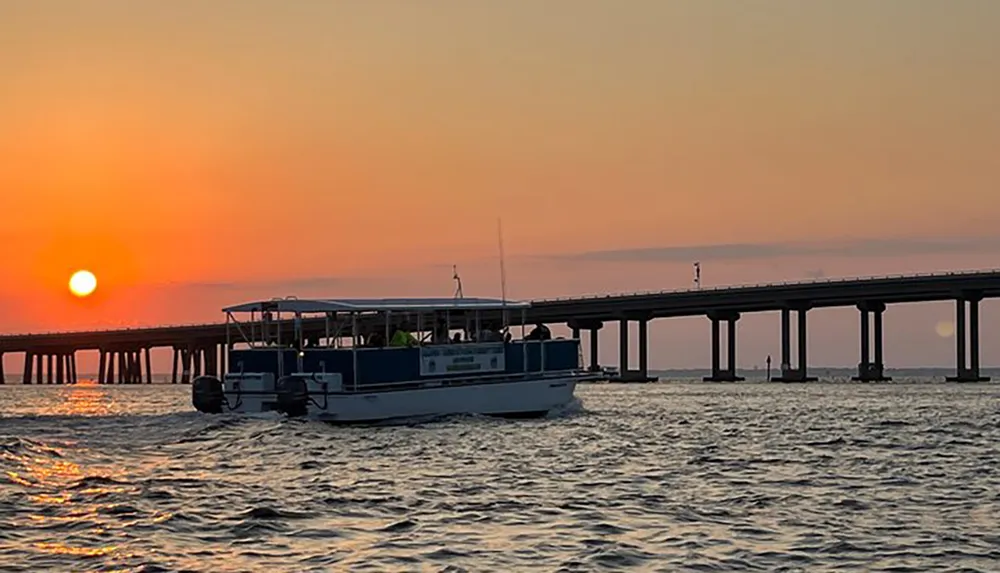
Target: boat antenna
[(458, 282), (503, 274), (503, 271)]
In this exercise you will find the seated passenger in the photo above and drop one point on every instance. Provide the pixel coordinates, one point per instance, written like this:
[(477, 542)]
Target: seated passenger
[(402, 337), (375, 340), (489, 334), (540, 332), (441, 333)]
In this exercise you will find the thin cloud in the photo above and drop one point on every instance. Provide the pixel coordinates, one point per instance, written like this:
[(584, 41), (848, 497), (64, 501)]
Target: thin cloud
[(867, 248), (281, 285)]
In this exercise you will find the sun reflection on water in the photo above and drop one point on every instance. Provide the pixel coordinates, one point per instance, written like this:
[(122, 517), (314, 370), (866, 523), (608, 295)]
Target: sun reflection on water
[(65, 485), (85, 398)]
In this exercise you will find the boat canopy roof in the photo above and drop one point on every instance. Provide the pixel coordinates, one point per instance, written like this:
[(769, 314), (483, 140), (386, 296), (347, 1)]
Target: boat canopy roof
[(303, 306)]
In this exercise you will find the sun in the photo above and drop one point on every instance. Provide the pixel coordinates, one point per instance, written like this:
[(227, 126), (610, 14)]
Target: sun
[(82, 283)]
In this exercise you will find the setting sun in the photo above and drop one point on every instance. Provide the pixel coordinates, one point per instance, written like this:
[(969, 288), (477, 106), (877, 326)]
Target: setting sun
[(82, 283)]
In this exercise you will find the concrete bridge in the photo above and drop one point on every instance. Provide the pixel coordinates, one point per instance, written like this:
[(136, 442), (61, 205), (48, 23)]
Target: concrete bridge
[(51, 357)]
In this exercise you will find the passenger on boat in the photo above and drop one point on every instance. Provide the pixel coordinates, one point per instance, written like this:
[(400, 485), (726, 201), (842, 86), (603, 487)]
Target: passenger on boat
[(540, 332), (402, 337), (441, 332), (376, 339), (489, 334)]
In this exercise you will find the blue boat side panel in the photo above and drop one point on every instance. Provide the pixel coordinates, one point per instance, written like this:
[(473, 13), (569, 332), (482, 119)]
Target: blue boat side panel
[(260, 360), (559, 355), (329, 360), (381, 366), (389, 365)]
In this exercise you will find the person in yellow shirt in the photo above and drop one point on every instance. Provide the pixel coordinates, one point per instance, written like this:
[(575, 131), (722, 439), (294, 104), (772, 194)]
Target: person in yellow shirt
[(402, 337)]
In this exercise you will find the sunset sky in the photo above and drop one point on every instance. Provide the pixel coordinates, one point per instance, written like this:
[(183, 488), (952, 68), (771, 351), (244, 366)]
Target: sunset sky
[(195, 154)]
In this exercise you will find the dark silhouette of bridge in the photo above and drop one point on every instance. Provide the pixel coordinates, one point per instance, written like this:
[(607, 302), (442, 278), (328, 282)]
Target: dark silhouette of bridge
[(51, 357)]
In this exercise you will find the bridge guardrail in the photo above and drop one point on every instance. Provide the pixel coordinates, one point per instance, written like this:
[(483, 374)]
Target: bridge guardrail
[(807, 282)]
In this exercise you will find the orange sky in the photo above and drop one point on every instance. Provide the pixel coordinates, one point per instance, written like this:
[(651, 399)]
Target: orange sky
[(192, 153)]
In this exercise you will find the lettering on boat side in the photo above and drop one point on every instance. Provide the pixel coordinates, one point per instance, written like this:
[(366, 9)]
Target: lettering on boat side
[(462, 358)]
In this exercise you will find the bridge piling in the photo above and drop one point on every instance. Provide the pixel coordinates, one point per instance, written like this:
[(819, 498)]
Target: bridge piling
[(3, 377), (223, 360), (801, 372), (970, 373), (623, 370), (136, 367), (595, 364), (101, 362), (644, 349), (871, 324), (626, 374), (29, 362), (109, 374), (720, 374), (60, 368), (173, 368), (48, 369), (186, 368), (212, 360)]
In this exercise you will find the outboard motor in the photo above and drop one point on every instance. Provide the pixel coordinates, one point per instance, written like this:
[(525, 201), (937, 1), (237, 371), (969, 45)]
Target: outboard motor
[(207, 394), (292, 396)]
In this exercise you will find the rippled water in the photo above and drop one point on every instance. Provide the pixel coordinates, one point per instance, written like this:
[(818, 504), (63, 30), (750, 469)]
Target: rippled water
[(671, 477)]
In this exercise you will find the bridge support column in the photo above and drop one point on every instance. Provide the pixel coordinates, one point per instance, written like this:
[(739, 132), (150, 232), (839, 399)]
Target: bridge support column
[(147, 354), (173, 368), (623, 348), (186, 365), (869, 371), (48, 369), (595, 364), (727, 374), (109, 372), (109, 376), (625, 373), (137, 367), (970, 373), (199, 361), (644, 349), (60, 368), (577, 325), (101, 365), (3, 376), (29, 362), (801, 372), (211, 354), (122, 367), (224, 360), (71, 360)]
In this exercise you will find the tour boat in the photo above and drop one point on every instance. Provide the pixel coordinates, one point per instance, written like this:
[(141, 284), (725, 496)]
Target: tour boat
[(369, 360)]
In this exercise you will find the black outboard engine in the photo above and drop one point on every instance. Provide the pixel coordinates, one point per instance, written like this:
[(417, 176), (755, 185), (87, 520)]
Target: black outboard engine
[(207, 394), (292, 396)]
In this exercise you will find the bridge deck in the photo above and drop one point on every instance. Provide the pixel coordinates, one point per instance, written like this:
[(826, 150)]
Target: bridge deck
[(686, 302)]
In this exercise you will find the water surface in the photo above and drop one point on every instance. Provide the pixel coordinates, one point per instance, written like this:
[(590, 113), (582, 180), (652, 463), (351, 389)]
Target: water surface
[(662, 477)]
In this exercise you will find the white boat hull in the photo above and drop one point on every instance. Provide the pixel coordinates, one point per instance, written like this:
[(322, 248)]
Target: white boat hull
[(515, 398)]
